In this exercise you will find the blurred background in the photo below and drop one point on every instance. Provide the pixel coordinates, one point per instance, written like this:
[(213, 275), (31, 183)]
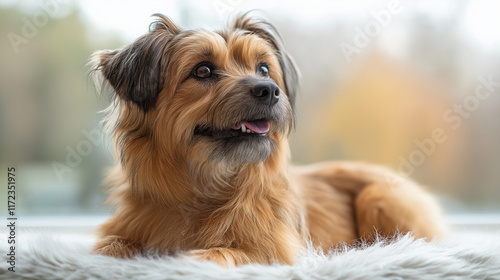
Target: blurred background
[(409, 84)]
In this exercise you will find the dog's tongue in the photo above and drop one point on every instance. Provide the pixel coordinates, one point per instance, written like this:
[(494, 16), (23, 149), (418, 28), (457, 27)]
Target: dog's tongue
[(257, 126)]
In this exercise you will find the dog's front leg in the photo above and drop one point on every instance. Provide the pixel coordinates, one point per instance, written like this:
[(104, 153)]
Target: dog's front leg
[(116, 246), (226, 257)]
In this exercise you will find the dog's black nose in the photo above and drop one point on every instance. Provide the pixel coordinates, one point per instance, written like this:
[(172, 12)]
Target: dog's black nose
[(268, 93)]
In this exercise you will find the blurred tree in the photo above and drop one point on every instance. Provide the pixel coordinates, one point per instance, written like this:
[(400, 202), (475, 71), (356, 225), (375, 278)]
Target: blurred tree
[(46, 101)]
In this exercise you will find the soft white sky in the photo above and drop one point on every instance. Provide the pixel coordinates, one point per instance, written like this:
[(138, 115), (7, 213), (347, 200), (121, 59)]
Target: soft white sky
[(131, 18)]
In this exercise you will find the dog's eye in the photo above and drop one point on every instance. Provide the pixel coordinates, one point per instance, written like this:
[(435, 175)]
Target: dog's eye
[(203, 72), (263, 69)]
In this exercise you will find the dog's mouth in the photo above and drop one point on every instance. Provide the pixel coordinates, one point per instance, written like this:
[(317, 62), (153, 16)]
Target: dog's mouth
[(243, 129)]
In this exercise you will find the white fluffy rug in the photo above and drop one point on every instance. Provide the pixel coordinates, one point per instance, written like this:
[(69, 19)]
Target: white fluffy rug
[(463, 256)]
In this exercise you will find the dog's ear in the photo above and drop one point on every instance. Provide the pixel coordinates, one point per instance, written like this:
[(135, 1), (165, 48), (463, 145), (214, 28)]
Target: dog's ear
[(137, 71), (267, 31)]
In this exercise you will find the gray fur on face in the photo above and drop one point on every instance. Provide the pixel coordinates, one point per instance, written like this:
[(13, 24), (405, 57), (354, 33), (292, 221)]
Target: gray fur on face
[(240, 151), (238, 105)]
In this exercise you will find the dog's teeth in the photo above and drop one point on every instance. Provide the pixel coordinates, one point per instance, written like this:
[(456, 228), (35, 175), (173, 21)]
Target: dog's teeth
[(243, 128)]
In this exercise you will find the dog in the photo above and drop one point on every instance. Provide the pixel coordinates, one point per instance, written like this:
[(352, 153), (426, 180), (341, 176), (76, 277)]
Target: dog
[(200, 121)]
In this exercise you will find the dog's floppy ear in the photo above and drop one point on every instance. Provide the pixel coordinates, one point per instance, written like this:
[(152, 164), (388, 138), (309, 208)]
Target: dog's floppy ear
[(267, 31), (137, 71)]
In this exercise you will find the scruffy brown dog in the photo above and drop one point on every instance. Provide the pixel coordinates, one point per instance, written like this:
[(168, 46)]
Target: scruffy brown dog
[(200, 121)]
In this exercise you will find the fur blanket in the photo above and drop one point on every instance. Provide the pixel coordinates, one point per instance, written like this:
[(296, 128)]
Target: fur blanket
[(462, 256)]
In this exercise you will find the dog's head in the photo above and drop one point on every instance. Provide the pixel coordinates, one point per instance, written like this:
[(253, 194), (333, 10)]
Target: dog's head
[(224, 96)]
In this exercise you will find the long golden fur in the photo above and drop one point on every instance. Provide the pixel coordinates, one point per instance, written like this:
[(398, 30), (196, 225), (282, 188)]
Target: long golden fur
[(188, 181)]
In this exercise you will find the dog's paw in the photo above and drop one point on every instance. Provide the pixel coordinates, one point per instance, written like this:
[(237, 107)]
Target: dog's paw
[(226, 257), (117, 247)]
